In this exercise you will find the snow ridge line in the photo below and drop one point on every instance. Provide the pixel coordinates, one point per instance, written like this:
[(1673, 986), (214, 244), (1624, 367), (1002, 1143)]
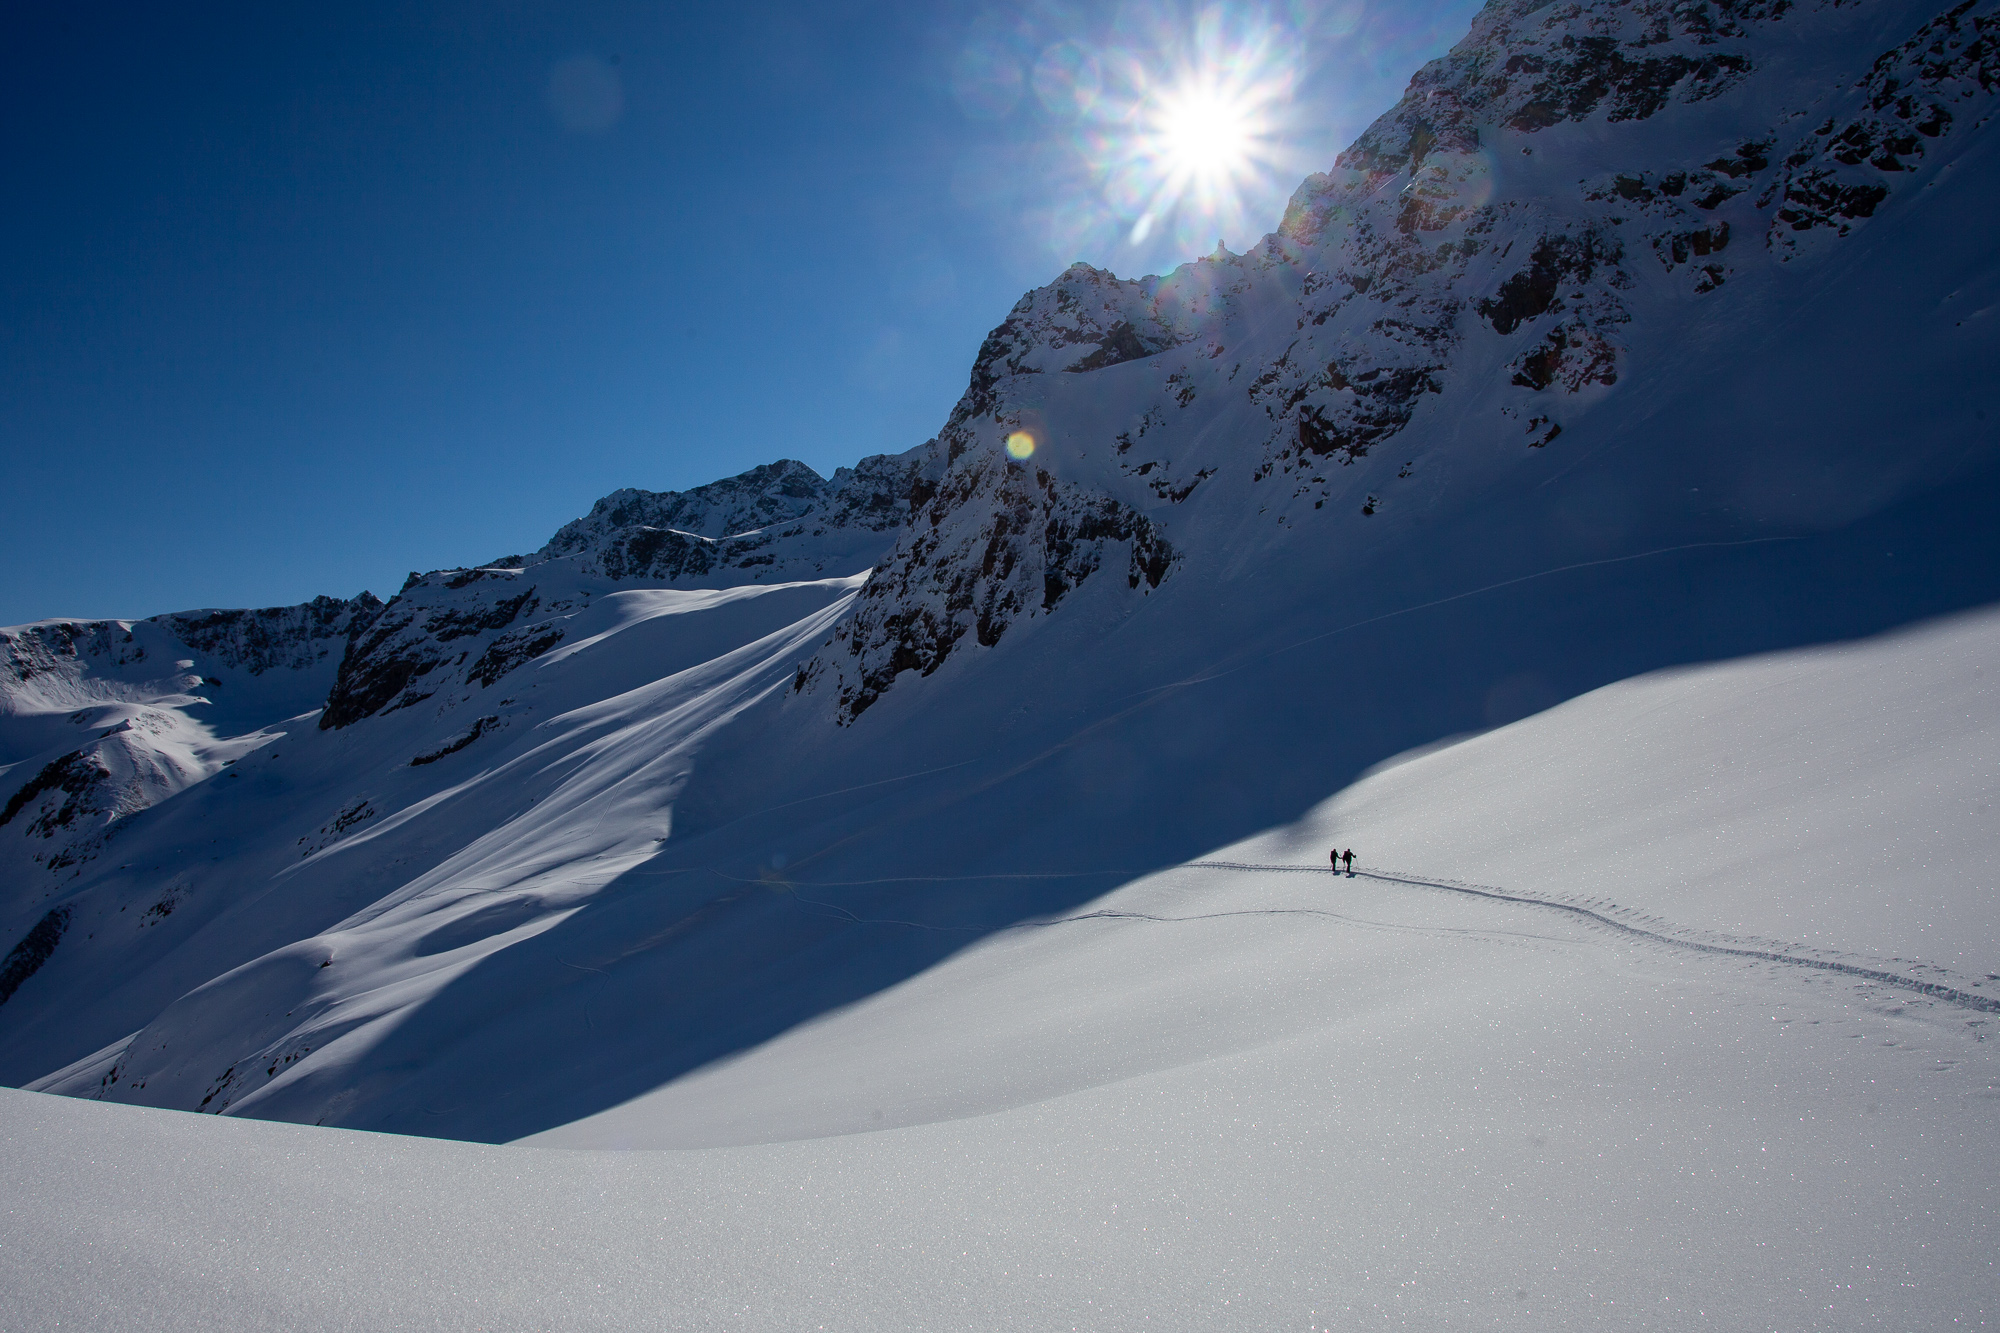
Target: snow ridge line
[(1951, 994)]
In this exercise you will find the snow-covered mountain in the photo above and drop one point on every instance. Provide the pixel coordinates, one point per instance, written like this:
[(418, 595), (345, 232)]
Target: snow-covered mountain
[(101, 719), (1635, 335)]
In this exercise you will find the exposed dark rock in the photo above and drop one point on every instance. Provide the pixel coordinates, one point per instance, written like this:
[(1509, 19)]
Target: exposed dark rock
[(35, 948), (1747, 160), (1842, 172), (1121, 344), (659, 553), (370, 688), (274, 636), (479, 728), (1119, 320), (75, 775), (772, 493), (56, 646), (1533, 291), (356, 812), (1175, 494), (450, 623), (1570, 356), (1383, 403), (1661, 195), (760, 522), (512, 650), (394, 663), (998, 541), (1528, 65), (1821, 199), (1584, 73), (163, 907), (370, 675), (1676, 248)]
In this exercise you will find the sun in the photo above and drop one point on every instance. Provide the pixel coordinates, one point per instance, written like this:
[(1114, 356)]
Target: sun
[(1203, 138), (1206, 135), (1193, 133)]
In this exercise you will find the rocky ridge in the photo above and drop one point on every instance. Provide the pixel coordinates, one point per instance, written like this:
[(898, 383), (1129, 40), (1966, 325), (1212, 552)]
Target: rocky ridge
[(778, 521), (1435, 268), (102, 719), (106, 718), (454, 633), (1387, 284)]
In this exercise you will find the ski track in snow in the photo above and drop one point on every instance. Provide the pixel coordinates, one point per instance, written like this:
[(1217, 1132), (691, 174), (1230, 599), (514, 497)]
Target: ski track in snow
[(1740, 949)]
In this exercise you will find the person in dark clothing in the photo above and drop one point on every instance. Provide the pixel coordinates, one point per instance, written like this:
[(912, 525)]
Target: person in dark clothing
[(1334, 856), (1348, 856)]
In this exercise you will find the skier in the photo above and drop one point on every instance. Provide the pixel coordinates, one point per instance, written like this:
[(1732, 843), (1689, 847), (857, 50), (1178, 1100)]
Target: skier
[(1334, 856), (1348, 856)]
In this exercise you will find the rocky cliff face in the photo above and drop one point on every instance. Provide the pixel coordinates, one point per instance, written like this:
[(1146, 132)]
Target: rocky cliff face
[(776, 522), (452, 634), (273, 638), (60, 665), (458, 628), (1480, 253), (996, 540)]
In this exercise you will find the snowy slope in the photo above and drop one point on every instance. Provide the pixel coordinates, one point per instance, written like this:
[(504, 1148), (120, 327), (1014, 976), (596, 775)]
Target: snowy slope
[(1287, 514), (101, 719), (1822, 803), (1842, 798), (1237, 1093), (521, 812)]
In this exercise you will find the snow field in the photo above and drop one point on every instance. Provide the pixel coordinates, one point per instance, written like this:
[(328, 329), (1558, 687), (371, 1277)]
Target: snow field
[(1290, 1099), (1452, 1118)]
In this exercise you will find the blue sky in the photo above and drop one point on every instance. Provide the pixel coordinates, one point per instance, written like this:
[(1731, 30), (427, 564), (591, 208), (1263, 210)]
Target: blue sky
[(297, 299)]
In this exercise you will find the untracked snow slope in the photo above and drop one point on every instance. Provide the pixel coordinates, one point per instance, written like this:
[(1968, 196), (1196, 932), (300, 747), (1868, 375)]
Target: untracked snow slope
[(522, 815), (1240, 1092)]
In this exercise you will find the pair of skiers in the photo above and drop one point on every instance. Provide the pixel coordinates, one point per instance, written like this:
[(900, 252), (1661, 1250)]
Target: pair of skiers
[(1338, 856)]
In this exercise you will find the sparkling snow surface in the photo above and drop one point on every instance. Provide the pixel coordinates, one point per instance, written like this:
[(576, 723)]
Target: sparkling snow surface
[(1247, 1098)]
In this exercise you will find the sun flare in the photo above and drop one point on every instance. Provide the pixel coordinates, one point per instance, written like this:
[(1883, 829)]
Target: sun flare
[(1203, 138), (1205, 134), (1189, 130)]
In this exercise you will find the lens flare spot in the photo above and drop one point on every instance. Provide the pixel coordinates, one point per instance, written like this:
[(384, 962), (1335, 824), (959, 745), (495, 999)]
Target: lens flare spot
[(1067, 80), (1020, 444)]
